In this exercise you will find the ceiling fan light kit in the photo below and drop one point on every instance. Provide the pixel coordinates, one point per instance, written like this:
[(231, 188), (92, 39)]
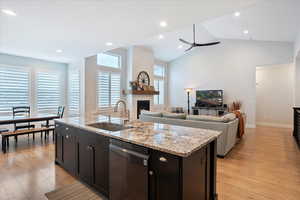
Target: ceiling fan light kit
[(194, 44)]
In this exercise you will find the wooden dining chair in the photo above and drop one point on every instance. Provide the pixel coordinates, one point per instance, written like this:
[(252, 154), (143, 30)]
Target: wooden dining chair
[(60, 114), (22, 111), (2, 130)]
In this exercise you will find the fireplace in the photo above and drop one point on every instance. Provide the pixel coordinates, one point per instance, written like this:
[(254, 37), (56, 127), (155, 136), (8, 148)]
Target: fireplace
[(142, 105)]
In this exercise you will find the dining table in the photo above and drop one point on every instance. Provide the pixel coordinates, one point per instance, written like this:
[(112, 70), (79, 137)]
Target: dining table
[(5, 120), (9, 119)]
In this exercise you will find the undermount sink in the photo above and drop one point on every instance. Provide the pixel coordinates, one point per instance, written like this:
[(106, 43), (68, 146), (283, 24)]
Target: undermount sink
[(109, 126)]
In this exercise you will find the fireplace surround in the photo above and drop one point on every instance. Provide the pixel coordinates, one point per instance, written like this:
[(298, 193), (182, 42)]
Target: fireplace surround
[(142, 105)]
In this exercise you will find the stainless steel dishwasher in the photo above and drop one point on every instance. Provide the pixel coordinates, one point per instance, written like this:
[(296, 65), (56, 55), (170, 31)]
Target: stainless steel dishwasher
[(128, 171)]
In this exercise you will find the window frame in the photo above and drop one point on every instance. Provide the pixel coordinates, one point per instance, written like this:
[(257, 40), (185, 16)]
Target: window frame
[(110, 72), (110, 54), (73, 112), (160, 78), (61, 89), (27, 69)]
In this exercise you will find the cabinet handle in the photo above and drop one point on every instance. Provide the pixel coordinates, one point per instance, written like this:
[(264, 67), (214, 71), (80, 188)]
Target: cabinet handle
[(67, 128), (89, 147), (163, 159)]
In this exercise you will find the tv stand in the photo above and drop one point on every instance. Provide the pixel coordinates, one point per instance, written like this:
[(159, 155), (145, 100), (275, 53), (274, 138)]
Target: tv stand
[(209, 110)]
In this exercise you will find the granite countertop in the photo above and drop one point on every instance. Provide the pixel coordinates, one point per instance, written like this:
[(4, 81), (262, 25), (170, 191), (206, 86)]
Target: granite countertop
[(176, 140)]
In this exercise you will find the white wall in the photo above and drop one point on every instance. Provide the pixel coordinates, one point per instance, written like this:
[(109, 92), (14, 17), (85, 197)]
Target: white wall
[(297, 70), (297, 45), (229, 66), (78, 65), (274, 95), (90, 73), (37, 65)]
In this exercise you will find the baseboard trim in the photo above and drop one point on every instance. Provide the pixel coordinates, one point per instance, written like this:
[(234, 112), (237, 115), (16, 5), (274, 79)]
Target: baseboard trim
[(275, 125), (250, 125)]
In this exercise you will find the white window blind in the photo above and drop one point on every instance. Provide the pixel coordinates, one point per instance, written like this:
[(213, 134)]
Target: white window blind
[(115, 88), (48, 91), (109, 88), (103, 89), (74, 92), (14, 88)]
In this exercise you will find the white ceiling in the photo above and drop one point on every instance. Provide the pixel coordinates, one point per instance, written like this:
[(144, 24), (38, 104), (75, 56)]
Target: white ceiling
[(82, 27), (268, 20), (167, 49)]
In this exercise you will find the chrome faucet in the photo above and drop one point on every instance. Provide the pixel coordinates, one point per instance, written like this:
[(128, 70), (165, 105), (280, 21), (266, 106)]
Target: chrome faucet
[(116, 108)]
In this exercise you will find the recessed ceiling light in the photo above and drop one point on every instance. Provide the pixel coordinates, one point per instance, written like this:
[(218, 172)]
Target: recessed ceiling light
[(59, 51), (237, 14), (161, 36), (108, 44), (9, 12), (246, 32), (179, 47), (163, 24)]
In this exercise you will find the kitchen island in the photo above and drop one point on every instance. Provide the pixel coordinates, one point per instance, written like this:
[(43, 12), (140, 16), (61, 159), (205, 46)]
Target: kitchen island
[(138, 160)]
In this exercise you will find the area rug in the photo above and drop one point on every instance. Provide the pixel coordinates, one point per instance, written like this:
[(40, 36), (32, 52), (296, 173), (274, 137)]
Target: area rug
[(76, 191)]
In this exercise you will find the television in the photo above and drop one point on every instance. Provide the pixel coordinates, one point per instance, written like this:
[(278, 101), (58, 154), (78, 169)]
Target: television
[(209, 98)]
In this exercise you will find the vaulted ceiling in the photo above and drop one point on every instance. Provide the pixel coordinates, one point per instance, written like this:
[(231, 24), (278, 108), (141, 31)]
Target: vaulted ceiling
[(265, 20), (81, 28)]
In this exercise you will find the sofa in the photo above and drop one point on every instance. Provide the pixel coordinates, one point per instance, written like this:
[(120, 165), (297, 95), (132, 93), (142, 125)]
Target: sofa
[(228, 124)]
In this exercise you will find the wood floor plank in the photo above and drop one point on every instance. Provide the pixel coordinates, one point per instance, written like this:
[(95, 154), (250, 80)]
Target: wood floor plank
[(265, 165)]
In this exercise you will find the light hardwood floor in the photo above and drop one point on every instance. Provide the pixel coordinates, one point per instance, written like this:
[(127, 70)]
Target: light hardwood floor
[(265, 165)]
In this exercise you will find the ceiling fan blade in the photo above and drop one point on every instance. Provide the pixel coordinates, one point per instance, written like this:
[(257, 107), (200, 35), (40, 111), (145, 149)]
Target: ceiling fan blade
[(207, 44), (189, 48), (186, 42)]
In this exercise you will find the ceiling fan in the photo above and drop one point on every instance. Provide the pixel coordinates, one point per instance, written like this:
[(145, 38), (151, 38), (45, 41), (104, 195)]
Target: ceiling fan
[(194, 44)]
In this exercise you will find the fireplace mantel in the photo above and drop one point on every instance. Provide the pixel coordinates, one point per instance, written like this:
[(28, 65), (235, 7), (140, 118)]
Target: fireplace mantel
[(141, 92)]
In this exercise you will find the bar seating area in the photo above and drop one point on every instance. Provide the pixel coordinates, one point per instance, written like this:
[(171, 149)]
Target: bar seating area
[(23, 124)]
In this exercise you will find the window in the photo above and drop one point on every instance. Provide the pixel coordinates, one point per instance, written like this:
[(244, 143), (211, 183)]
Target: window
[(109, 60), (109, 88), (14, 88), (48, 91), (159, 71), (159, 86), (159, 76), (74, 92)]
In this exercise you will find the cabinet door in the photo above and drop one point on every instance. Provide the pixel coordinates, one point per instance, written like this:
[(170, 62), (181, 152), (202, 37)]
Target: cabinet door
[(85, 156), (164, 176), (59, 143), (100, 164), (69, 150)]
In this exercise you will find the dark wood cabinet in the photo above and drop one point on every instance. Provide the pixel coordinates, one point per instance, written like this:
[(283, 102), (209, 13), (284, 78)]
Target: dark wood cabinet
[(59, 144), (65, 147), (296, 131), (83, 154), (164, 176), (69, 147), (93, 160), (188, 178), (100, 152)]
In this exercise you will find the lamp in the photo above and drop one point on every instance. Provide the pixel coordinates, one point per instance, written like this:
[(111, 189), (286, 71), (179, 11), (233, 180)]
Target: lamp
[(188, 90)]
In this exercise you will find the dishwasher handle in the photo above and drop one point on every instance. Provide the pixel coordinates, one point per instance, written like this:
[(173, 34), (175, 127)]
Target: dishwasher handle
[(127, 153)]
